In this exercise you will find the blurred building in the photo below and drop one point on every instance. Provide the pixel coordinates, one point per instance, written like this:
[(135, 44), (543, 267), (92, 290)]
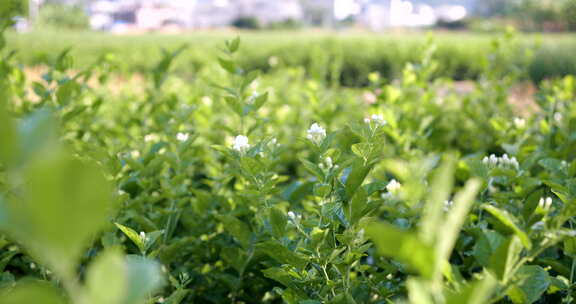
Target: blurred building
[(195, 14), (378, 15)]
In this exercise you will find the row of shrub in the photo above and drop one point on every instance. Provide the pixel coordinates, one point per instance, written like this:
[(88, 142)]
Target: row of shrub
[(347, 58)]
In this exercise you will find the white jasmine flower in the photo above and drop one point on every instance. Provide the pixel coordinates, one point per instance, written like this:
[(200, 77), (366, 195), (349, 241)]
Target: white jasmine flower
[(241, 143), (291, 215), (150, 137), (32, 266), (182, 136), (378, 119), (143, 235), (448, 204), (503, 162), (393, 186), (545, 203), (558, 117), (273, 61), (514, 162), (520, 123), (206, 100), (316, 133), (274, 141), (328, 161), (539, 225)]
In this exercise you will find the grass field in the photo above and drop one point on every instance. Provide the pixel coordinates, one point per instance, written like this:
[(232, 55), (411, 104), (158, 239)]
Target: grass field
[(352, 55)]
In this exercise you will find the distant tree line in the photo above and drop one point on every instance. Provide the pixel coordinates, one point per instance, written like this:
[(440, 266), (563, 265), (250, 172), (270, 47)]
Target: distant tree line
[(532, 15)]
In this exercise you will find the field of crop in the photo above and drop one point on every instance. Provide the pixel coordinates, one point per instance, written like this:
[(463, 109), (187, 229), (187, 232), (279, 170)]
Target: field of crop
[(243, 171), (353, 55)]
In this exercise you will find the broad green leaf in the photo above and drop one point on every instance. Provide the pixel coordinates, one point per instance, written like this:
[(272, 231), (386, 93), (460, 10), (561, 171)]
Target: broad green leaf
[(442, 183), (144, 276), (533, 282), (404, 246), (132, 235), (228, 65), (505, 257), (419, 292), (233, 45), (313, 168), (8, 139), (282, 254), (478, 292), (486, 245), (260, 101), (357, 206), (450, 229), (177, 296), (356, 177), (106, 278), (278, 221), (63, 204), (285, 278), (238, 229), (30, 293), (509, 221)]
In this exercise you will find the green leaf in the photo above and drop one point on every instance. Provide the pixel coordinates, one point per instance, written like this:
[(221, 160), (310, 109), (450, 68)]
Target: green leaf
[(419, 291), (278, 221), (177, 296), (106, 279), (248, 79), (450, 229), (313, 168), (509, 221), (403, 246), (356, 177), (144, 276), (260, 100), (237, 229), (357, 206), (442, 183), (62, 206), (8, 139), (228, 65), (132, 235), (233, 45), (534, 281), (486, 245), (478, 292), (30, 293), (282, 254), (505, 257)]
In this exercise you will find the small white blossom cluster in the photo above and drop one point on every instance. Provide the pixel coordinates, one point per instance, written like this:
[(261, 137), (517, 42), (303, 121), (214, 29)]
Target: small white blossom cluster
[(294, 217), (558, 117), (448, 204), (143, 236), (545, 203), (520, 123), (182, 136), (241, 143), (503, 162), (377, 119), (316, 133), (151, 137), (328, 163), (393, 186)]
